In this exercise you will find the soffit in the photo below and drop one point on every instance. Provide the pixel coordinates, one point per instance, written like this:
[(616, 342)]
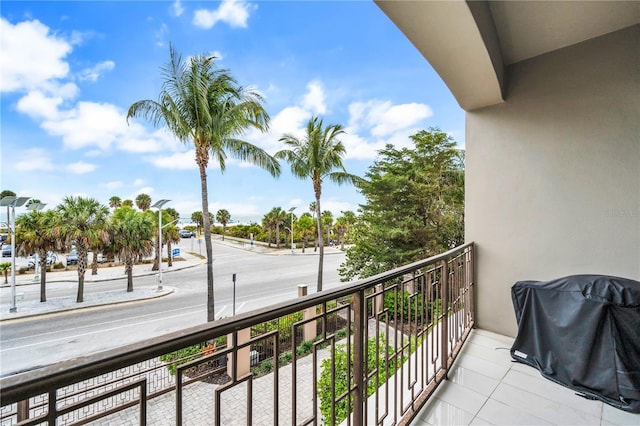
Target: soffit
[(469, 43)]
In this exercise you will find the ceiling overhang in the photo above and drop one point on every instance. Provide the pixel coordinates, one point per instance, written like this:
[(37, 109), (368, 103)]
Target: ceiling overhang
[(469, 44)]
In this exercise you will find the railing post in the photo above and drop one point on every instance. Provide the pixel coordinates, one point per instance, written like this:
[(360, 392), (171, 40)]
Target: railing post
[(359, 359), (379, 299), (444, 294), (241, 363), (23, 410)]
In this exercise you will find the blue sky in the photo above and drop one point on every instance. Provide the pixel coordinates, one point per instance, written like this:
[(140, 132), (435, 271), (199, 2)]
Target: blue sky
[(70, 70)]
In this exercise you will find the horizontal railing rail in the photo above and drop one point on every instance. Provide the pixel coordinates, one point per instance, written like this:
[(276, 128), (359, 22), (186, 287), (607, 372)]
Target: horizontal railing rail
[(367, 352)]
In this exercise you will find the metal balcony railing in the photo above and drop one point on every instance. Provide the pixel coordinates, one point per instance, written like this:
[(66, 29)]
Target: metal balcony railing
[(368, 352)]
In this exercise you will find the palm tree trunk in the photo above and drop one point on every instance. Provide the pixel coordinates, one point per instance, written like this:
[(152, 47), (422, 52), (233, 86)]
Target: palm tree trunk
[(202, 160), (169, 259), (43, 275), (278, 236), (320, 241), (129, 270), (94, 264), (82, 265), (156, 265)]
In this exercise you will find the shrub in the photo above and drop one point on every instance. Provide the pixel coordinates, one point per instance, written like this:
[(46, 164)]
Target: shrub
[(339, 381)]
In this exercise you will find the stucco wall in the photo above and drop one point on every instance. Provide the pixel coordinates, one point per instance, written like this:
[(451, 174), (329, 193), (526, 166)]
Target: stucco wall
[(553, 174)]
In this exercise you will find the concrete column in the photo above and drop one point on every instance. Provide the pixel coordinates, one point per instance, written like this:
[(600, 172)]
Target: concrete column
[(244, 354), (309, 331), (379, 300)]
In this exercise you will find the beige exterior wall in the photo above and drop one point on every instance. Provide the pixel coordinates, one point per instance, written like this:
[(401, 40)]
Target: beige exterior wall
[(553, 174)]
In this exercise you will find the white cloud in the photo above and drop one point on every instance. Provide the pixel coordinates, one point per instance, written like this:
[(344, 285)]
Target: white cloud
[(314, 99), (384, 118), (25, 44), (34, 159), (81, 167), (177, 8), (336, 207), (93, 73), (138, 182), (38, 106), (112, 185), (233, 12), (179, 160)]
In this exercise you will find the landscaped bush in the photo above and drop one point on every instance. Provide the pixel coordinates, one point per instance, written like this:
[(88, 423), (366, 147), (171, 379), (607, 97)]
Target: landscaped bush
[(184, 355), (338, 377)]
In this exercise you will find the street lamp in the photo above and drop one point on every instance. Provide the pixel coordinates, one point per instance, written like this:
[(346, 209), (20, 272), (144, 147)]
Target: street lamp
[(36, 207), (291, 213), (13, 202), (158, 205)]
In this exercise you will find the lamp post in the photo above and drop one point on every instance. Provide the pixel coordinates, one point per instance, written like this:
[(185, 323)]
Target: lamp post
[(13, 202), (291, 214), (158, 205), (36, 207)]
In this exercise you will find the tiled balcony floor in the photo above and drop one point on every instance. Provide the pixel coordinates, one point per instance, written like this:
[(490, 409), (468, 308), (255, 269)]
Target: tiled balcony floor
[(486, 388)]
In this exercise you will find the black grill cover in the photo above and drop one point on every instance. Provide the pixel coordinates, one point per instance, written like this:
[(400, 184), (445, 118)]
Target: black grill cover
[(583, 332)]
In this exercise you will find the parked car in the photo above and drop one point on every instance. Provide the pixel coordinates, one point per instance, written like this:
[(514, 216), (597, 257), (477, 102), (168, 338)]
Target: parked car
[(102, 258), (186, 234), (72, 258), (6, 250), (51, 259)]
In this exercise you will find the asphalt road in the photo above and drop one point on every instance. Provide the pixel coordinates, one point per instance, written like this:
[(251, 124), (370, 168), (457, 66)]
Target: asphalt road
[(261, 280)]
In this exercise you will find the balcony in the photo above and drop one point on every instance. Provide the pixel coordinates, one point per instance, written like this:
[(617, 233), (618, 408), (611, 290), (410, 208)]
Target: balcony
[(376, 351)]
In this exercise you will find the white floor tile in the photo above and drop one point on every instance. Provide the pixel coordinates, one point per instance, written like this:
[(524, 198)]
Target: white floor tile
[(501, 414), (498, 355), (490, 341), (547, 409), (440, 413), (475, 381), (619, 417), (460, 396), (477, 421), (479, 365), (547, 389)]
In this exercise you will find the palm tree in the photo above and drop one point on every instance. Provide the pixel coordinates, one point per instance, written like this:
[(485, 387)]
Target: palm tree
[(317, 156), (5, 267), (268, 222), (127, 203), (327, 222), (198, 219), (115, 202), (143, 202), (37, 233), (81, 222), (133, 234), (203, 105), (278, 216), (171, 236), (306, 228), (312, 209), (223, 216)]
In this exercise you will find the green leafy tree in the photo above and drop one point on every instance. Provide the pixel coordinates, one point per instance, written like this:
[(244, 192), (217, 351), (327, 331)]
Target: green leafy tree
[(115, 202), (203, 105), (317, 156), (37, 232), (143, 202), (81, 223), (414, 206), (133, 235), (223, 217), (127, 203)]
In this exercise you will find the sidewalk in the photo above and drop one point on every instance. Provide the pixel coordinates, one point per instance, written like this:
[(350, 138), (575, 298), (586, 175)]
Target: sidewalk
[(62, 304)]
